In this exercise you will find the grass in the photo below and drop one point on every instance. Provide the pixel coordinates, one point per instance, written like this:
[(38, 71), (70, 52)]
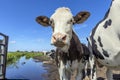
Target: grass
[(13, 57)]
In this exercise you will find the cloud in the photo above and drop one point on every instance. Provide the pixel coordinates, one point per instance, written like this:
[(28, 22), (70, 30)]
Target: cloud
[(12, 42), (40, 40)]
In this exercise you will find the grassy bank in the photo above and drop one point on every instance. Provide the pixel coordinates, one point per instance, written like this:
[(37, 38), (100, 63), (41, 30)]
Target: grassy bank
[(13, 57)]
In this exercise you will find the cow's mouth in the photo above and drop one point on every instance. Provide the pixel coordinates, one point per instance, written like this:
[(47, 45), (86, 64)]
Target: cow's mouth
[(59, 44)]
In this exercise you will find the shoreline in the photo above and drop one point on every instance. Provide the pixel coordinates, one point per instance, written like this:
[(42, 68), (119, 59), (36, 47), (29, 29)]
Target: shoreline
[(52, 71), (50, 67)]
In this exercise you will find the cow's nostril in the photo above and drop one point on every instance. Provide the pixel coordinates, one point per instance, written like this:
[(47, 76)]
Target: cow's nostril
[(64, 37), (54, 38)]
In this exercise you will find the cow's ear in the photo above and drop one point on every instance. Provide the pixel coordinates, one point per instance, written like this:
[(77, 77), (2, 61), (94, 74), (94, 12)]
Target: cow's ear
[(81, 17), (43, 20)]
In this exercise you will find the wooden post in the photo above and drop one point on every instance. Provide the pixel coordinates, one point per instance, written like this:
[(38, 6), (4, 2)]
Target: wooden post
[(3, 55)]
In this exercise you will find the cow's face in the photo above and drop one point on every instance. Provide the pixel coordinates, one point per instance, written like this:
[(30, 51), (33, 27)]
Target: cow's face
[(61, 22)]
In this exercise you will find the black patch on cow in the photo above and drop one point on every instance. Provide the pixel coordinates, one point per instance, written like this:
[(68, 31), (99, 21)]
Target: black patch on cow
[(99, 40), (96, 52), (75, 51), (107, 63), (100, 78), (105, 53), (86, 52), (107, 23), (85, 74)]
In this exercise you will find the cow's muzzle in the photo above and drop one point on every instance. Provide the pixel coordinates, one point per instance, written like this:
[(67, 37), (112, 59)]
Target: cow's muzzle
[(59, 40)]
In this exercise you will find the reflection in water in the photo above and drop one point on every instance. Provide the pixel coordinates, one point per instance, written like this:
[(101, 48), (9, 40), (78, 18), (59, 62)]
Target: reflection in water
[(25, 69)]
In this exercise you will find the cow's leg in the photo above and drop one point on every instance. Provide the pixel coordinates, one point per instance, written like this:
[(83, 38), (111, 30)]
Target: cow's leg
[(92, 62), (93, 68), (86, 72), (80, 69), (79, 74), (109, 74), (86, 68), (64, 73), (61, 73)]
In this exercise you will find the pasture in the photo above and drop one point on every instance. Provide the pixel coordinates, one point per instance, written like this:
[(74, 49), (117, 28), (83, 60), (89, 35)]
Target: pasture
[(12, 57)]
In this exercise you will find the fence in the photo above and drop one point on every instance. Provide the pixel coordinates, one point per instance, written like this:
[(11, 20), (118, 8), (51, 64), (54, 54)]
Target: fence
[(3, 54)]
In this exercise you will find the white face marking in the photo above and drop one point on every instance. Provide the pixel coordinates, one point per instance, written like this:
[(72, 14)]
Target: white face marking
[(62, 24)]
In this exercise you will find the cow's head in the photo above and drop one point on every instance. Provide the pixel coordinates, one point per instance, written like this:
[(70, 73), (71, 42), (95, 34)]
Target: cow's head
[(61, 22)]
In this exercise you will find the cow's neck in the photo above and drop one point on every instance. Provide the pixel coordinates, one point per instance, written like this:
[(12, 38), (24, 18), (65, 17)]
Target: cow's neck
[(75, 46), (75, 50)]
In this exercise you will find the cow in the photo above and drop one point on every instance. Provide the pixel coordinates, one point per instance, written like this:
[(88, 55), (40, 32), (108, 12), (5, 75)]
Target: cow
[(50, 54), (104, 41), (69, 51)]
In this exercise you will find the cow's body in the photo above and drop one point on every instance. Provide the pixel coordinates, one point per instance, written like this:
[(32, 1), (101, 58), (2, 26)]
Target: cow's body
[(70, 52), (75, 59), (105, 39)]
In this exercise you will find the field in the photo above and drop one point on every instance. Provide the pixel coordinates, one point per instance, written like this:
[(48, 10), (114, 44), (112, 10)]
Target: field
[(13, 57)]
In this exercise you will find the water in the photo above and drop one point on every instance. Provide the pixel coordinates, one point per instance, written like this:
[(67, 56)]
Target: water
[(25, 69)]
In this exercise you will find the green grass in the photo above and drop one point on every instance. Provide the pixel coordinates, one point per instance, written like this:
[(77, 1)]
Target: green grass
[(13, 57)]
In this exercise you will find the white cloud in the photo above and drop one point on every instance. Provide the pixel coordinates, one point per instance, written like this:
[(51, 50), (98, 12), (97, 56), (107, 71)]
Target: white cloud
[(12, 42), (40, 40)]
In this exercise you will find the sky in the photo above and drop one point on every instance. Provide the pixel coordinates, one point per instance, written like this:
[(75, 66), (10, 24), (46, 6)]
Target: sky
[(17, 20)]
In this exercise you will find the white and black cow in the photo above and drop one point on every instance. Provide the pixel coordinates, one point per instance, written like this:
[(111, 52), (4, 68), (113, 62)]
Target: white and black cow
[(50, 54), (70, 54), (104, 41)]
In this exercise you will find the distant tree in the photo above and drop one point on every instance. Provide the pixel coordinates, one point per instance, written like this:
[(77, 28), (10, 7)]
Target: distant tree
[(26, 51), (32, 51), (18, 51)]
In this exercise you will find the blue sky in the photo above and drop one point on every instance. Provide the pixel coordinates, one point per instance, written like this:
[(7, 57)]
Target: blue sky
[(17, 20)]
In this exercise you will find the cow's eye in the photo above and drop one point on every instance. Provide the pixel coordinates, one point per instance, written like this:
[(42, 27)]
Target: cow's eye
[(52, 22), (70, 22)]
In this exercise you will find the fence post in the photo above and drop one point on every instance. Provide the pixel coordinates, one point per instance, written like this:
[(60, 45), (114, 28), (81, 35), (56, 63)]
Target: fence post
[(3, 55)]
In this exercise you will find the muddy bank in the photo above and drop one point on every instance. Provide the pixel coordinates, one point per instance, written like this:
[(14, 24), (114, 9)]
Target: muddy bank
[(50, 66), (52, 71)]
